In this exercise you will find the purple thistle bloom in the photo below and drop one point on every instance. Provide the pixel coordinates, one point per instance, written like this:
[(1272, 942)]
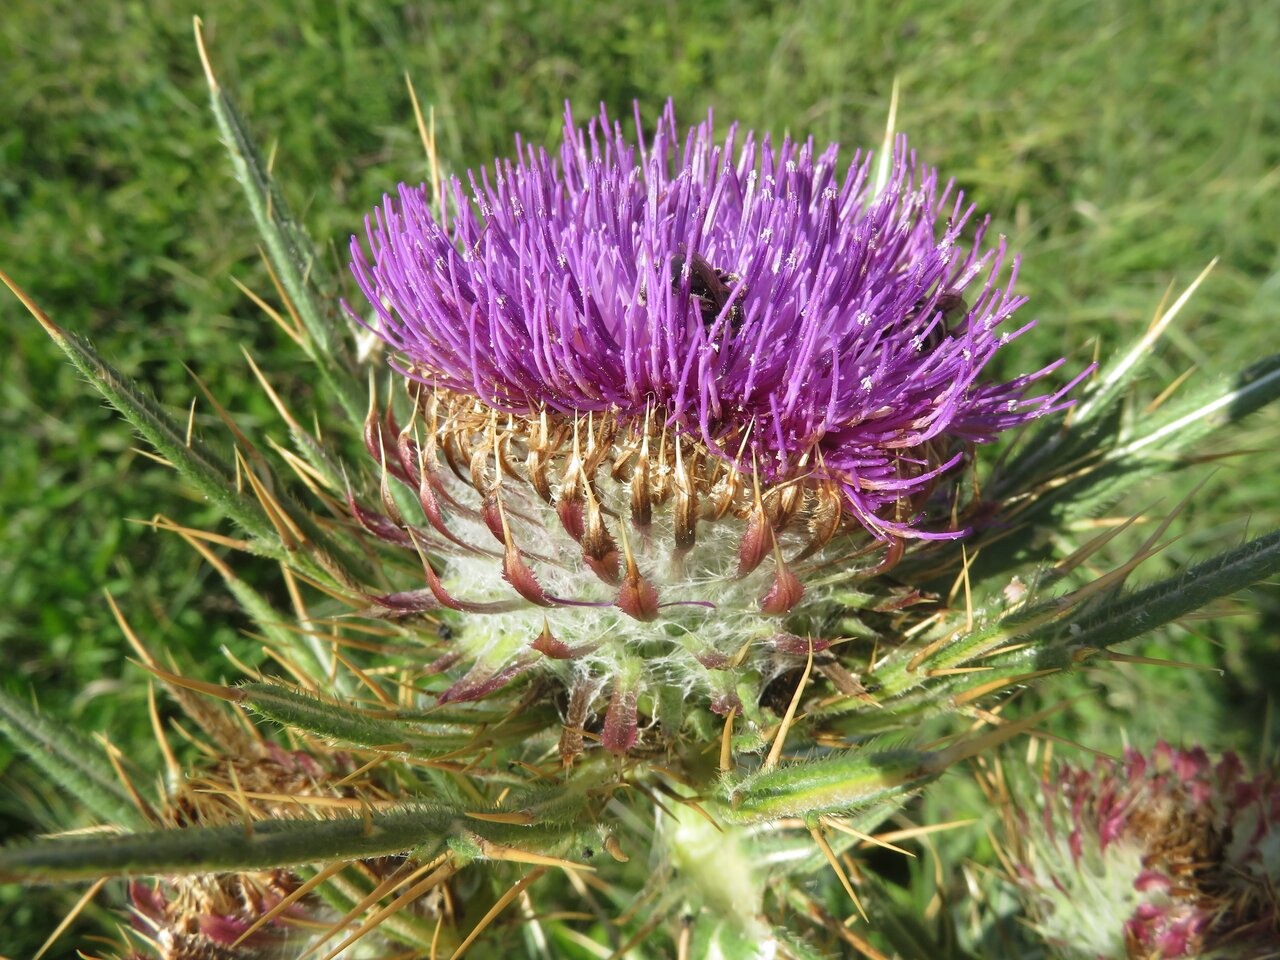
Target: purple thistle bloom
[(795, 319)]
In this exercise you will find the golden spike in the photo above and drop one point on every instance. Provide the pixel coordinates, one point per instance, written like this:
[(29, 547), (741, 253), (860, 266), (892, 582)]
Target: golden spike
[(304, 616), (973, 746), (521, 885), (827, 852), (61, 928), (498, 851), (198, 26), (1049, 739), (161, 522), (518, 817), (382, 696), (209, 556), (1158, 325), (1156, 662), (401, 876), (866, 838), (124, 938), (116, 758), (211, 720), (328, 591), (775, 751), (1092, 546), (682, 944), (699, 810), (230, 694), (284, 296), (360, 771), (354, 804), (851, 938), (886, 147), (982, 690), (170, 761), (152, 455), (311, 477), (652, 796), (1114, 578), (191, 423), (227, 419), (1169, 391), (285, 528), (962, 578), (435, 937), (929, 650), (726, 741), (290, 899), (910, 833), (274, 397), (271, 312), (242, 801), (292, 668), (200, 745), (1011, 648), (366, 816), (375, 921), (271, 164), (55, 332), (100, 830)]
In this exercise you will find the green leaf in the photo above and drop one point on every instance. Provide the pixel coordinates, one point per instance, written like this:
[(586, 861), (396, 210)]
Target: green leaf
[(192, 850), (1178, 426), (834, 784), (195, 462), (297, 266), (1094, 421), (424, 734), (1149, 447), (348, 724), (1137, 612), (71, 760)]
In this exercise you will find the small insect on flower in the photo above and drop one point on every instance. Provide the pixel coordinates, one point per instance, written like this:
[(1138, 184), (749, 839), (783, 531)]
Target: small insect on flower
[(710, 288), (676, 379)]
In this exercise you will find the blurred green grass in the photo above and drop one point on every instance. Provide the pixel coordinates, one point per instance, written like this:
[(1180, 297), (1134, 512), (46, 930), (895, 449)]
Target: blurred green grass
[(1120, 145)]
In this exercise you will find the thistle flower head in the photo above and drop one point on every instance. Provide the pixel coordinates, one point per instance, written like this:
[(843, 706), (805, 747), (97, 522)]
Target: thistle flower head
[(1162, 855), (664, 391), (788, 315)]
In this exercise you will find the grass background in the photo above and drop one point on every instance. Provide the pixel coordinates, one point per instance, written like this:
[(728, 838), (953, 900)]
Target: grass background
[(1120, 145)]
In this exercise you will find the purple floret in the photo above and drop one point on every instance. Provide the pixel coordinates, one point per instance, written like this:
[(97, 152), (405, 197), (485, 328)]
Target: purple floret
[(581, 283)]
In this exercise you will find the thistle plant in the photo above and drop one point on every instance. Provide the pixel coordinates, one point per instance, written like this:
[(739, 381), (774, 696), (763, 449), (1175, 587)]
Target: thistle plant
[(1160, 855), (620, 594)]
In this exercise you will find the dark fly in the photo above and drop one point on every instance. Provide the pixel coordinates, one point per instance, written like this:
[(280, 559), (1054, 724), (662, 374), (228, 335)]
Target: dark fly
[(711, 288), (953, 308)]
